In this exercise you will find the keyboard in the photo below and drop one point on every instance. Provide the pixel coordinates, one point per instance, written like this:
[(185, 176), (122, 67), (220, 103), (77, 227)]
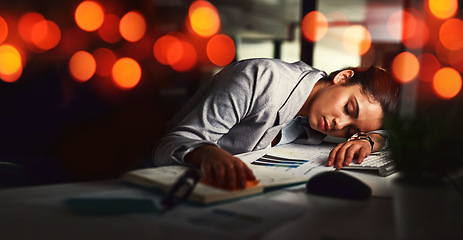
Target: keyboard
[(379, 161)]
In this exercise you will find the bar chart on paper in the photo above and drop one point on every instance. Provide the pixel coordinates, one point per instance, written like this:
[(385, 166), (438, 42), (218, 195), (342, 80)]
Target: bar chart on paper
[(274, 161), (297, 159)]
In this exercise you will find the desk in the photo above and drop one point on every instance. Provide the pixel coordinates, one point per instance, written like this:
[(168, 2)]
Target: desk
[(41, 213)]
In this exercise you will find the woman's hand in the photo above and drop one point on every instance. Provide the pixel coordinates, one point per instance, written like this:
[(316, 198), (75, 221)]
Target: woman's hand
[(343, 154), (220, 168)]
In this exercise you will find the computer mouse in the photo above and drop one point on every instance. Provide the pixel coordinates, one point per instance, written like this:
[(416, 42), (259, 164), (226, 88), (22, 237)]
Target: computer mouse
[(339, 185)]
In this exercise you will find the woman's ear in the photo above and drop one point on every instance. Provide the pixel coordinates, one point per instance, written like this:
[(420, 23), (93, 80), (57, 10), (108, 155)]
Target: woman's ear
[(343, 76)]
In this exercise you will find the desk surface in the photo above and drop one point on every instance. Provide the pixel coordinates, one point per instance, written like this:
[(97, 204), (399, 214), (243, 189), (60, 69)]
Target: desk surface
[(42, 213)]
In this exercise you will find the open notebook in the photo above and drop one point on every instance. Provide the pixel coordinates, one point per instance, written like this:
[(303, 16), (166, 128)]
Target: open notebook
[(165, 177)]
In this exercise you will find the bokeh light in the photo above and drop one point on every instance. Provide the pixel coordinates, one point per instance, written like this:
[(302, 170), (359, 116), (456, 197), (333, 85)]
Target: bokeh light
[(356, 40), (220, 50), (429, 66), (26, 23), (451, 34), (314, 26), (82, 66), (204, 18), (105, 60), (3, 30), (45, 35), (89, 15), (132, 26), (168, 49), (447, 83), (415, 33), (126, 73), (443, 9), (10, 63), (405, 67), (188, 58), (109, 30), (395, 23)]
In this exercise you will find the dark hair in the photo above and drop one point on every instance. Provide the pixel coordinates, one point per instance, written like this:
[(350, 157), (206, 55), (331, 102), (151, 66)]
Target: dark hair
[(378, 83)]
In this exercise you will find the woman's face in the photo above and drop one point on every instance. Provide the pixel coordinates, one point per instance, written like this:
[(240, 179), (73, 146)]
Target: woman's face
[(340, 111)]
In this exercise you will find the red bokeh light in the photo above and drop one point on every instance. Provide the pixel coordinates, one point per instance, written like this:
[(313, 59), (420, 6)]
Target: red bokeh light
[(221, 49)]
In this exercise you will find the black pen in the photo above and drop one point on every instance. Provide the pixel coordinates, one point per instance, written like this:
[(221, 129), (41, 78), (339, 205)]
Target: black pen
[(182, 189)]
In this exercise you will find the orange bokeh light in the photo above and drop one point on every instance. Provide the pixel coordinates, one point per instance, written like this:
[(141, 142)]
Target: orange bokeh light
[(45, 35), (356, 40), (167, 49), (405, 67), (132, 26), (26, 23), (415, 32), (447, 83), (82, 66), (126, 73), (204, 18), (314, 26), (188, 59), (220, 50), (105, 60), (3, 29), (109, 30), (443, 9), (89, 15), (429, 66), (10, 63), (451, 34)]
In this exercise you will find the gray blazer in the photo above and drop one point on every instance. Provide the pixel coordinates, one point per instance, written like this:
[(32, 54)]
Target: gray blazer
[(242, 109)]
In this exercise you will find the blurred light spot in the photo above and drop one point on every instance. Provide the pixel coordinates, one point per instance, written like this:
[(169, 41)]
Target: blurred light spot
[(89, 15), (451, 34), (447, 82), (45, 35), (394, 24), (314, 26), (443, 8), (132, 26), (82, 66), (405, 67), (220, 50), (188, 57), (74, 39), (167, 49), (105, 60), (109, 31), (429, 66), (26, 23), (3, 30), (204, 18), (415, 31), (356, 40), (10, 63), (126, 72)]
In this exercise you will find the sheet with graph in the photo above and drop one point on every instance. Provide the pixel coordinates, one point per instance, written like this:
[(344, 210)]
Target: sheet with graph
[(297, 159)]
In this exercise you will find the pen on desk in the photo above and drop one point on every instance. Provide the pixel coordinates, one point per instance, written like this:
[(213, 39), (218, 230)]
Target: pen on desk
[(181, 190)]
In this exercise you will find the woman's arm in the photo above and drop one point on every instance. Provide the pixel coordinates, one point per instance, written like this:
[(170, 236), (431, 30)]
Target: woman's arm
[(343, 154), (219, 167)]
